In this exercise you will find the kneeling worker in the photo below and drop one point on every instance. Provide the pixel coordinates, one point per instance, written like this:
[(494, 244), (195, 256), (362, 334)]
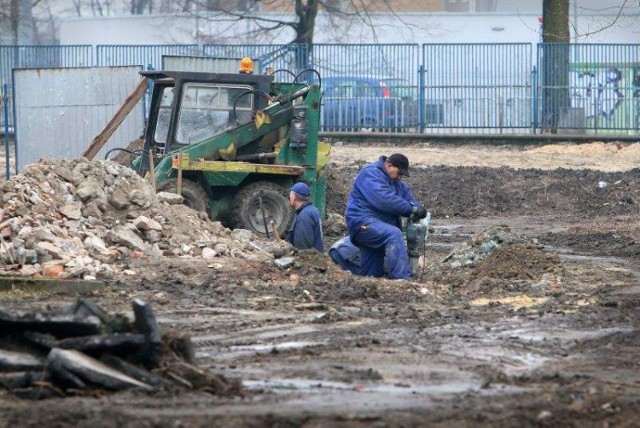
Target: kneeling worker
[(306, 229), (377, 200), (346, 255)]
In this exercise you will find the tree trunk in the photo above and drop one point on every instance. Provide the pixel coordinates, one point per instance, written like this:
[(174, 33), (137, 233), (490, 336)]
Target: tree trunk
[(14, 13), (555, 63), (306, 10)]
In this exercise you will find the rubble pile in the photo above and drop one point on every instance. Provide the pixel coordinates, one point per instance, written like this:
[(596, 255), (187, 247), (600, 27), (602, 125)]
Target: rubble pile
[(499, 254), (78, 218), (471, 253), (84, 349)]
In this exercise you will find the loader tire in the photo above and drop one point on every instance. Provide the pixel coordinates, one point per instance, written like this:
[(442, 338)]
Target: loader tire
[(245, 208), (195, 197)]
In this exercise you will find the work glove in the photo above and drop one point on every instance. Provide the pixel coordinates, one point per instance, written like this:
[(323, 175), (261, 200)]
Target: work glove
[(419, 212)]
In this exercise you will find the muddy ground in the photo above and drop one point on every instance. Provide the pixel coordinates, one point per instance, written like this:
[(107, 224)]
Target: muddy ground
[(541, 333)]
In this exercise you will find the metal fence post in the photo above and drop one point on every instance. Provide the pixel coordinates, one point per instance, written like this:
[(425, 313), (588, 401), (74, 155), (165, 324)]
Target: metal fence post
[(534, 99), (421, 98), (5, 110)]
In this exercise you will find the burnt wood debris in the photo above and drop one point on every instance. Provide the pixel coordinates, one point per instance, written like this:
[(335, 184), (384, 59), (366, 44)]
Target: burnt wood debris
[(82, 349)]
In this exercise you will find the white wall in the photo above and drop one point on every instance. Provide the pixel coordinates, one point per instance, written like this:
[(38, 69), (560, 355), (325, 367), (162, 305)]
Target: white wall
[(385, 28)]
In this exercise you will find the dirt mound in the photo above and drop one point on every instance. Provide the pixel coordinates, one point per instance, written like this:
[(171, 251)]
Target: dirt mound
[(495, 256), (517, 262), (81, 218)]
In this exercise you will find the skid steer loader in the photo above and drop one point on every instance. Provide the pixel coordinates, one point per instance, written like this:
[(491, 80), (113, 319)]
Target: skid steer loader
[(234, 144)]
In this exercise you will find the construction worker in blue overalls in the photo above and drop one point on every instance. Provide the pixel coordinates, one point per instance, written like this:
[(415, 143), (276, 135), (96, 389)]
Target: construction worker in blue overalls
[(376, 203)]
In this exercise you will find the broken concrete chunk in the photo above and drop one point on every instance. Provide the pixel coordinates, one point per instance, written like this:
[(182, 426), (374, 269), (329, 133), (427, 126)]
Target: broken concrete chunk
[(221, 249), (284, 262), (170, 198), (51, 249), (145, 223), (142, 196), (11, 361), (242, 235), (92, 209), (209, 253), (111, 168), (153, 236), (63, 173), (89, 188), (43, 234), (119, 199), (125, 236), (96, 244), (63, 362), (72, 211)]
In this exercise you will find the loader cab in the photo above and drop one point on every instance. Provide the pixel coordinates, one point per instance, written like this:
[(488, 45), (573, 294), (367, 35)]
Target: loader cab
[(188, 107)]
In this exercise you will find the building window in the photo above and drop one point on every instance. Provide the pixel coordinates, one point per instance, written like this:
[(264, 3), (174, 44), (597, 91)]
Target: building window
[(470, 5)]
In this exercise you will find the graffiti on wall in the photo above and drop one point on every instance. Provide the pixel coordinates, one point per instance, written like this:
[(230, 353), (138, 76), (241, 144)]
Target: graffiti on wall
[(598, 92)]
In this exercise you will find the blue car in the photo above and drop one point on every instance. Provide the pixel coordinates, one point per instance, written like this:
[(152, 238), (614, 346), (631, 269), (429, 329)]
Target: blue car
[(353, 103)]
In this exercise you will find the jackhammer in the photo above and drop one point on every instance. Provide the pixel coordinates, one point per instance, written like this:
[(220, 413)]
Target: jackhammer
[(416, 233)]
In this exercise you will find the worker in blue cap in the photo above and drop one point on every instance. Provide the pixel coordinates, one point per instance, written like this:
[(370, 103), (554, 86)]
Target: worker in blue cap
[(306, 229)]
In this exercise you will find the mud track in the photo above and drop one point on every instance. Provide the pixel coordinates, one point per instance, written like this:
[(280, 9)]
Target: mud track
[(546, 334)]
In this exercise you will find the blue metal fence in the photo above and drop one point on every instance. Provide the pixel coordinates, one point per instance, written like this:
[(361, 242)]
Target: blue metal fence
[(476, 88), (431, 88), (148, 56), (588, 87)]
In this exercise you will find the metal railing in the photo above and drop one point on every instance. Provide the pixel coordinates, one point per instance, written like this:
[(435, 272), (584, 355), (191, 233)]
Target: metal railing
[(463, 88), (594, 87), (476, 88)]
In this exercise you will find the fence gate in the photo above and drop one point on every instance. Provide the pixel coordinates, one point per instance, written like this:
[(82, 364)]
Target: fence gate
[(59, 111)]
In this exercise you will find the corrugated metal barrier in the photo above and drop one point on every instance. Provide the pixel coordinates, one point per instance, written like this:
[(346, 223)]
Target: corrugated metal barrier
[(17, 56), (57, 119)]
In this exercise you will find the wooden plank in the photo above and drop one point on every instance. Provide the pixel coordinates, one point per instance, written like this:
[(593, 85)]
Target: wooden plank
[(224, 166), (124, 110)]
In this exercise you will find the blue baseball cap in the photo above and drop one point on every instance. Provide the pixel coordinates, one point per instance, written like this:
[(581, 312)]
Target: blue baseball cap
[(301, 189)]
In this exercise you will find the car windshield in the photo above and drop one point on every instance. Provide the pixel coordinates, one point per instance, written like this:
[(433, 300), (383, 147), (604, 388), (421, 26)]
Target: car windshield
[(399, 88)]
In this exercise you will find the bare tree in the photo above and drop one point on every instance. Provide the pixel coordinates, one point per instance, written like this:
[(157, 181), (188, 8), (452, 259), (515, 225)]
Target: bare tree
[(138, 6), (18, 13), (297, 15), (555, 62)]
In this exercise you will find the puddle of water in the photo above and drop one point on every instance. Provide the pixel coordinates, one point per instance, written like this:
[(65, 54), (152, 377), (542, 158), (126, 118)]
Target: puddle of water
[(276, 347), (517, 302), (279, 330), (630, 290), (563, 334), (385, 388), (511, 361), (237, 351)]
